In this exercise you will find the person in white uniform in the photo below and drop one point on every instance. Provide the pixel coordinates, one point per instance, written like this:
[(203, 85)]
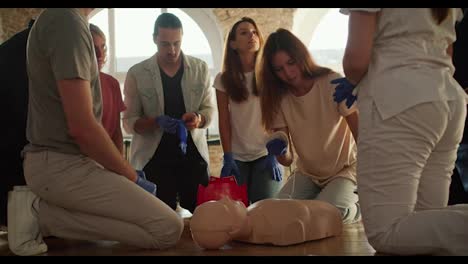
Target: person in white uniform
[(240, 119), (412, 113)]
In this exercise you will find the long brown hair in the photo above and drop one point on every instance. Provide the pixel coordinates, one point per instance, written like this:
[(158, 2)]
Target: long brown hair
[(440, 14), (232, 76), (271, 87)]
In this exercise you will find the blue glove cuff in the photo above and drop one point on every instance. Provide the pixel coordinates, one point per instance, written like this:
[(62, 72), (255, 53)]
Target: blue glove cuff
[(277, 146), (228, 156), (141, 174), (147, 185)]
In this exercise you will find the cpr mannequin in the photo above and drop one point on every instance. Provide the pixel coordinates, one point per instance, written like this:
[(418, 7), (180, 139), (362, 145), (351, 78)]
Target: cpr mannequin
[(278, 222)]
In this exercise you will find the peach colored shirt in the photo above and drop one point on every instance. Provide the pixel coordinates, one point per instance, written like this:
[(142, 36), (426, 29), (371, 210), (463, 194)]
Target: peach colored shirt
[(323, 141)]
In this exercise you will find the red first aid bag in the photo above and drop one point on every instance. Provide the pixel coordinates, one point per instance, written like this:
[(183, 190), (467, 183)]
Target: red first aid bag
[(222, 187)]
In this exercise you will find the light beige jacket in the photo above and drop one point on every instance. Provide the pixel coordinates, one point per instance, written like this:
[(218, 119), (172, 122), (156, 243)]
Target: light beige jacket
[(144, 97)]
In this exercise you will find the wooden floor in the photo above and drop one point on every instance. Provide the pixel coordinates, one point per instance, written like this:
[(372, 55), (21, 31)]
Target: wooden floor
[(352, 242)]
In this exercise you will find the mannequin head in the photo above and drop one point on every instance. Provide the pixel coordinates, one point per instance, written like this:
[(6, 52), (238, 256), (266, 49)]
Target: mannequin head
[(215, 223)]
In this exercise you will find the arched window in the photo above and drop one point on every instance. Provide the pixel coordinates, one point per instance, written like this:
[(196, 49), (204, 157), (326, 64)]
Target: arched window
[(325, 32), (329, 40), (129, 34)]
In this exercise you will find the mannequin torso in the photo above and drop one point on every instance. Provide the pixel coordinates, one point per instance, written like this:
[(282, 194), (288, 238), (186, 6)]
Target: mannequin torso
[(271, 221)]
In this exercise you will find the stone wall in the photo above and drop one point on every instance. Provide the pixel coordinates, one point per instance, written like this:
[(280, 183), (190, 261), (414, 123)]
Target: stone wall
[(267, 19), (14, 20), (216, 159)]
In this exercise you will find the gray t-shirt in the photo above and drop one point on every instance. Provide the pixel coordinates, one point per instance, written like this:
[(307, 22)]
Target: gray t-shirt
[(60, 47)]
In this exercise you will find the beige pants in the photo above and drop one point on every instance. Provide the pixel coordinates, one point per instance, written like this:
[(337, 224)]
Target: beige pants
[(405, 165), (82, 200)]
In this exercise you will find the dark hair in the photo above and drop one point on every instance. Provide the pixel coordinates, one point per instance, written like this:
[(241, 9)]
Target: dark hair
[(166, 20), (440, 14), (271, 87), (232, 77)]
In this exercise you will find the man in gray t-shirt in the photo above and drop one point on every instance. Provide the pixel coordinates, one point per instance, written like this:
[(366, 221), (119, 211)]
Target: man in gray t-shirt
[(59, 56), (79, 185)]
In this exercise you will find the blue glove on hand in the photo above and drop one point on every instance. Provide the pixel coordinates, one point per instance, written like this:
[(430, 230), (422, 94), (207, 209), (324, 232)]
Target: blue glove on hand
[(229, 166), (182, 134), (141, 174), (270, 163), (167, 123), (144, 183), (277, 147), (344, 90)]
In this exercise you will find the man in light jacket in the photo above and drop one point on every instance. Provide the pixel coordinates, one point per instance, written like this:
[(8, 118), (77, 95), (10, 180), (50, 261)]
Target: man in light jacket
[(162, 92)]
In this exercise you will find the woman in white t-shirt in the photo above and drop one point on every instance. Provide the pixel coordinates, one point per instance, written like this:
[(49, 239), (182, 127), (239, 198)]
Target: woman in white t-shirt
[(242, 136), (412, 114), (297, 98)]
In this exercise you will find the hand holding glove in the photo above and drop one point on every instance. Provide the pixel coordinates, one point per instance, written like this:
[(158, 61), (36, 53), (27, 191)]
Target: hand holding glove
[(276, 146), (144, 183), (229, 166), (167, 123), (344, 90), (182, 134)]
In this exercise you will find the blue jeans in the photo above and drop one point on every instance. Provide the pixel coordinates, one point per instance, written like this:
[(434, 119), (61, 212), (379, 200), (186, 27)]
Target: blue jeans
[(260, 183), (339, 192), (462, 165)]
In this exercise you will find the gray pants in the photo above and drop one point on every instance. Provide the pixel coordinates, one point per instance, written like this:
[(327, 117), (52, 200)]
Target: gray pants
[(339, 192), (82, 200), (405, 165), (260, 183)]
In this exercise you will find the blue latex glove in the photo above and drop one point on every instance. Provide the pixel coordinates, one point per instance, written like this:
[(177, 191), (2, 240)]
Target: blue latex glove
[(167, 123), (462, 165), (182, 134), (277, 147), (270, 163), (141, 174), (344, 90), (144, 183), (229, 166)]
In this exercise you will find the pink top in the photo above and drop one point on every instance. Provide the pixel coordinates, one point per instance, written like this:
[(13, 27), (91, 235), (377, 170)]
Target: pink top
[(112, 103)]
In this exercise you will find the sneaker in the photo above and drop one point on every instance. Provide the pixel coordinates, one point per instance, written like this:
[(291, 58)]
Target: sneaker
[(24, 235)]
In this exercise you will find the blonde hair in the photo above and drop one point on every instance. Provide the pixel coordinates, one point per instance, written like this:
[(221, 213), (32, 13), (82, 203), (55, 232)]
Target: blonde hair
[(95, 30)]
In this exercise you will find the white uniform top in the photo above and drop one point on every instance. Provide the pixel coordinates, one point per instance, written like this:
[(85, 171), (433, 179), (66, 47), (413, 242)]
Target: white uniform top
[(248, 138), (409, 43)]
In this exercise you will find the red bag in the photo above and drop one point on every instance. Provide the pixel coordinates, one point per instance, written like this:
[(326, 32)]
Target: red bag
[(222, 187)]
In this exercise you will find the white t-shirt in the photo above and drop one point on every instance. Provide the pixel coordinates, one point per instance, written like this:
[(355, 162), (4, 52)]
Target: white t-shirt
[(248, 138)]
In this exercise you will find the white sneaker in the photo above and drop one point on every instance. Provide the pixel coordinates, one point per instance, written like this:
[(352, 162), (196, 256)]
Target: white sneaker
[(24, 235)]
